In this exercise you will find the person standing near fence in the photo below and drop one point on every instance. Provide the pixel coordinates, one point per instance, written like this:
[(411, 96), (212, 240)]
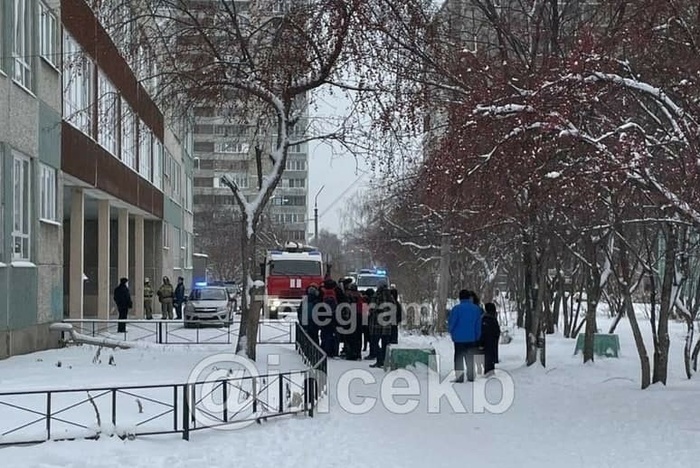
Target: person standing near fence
[(148, 299), (165, 296), (179, 297), (122, 298)]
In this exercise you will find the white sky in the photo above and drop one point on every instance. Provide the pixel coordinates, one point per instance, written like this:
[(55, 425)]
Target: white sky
[(332, 168)]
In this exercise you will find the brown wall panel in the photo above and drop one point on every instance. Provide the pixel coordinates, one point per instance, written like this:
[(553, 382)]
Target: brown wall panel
[(83, 158), (80, 21)]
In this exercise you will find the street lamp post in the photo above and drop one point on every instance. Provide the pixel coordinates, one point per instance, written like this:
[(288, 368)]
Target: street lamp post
[(316, 214)]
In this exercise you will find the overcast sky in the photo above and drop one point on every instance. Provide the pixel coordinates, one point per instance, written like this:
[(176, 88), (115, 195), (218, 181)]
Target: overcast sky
[(330, 167)]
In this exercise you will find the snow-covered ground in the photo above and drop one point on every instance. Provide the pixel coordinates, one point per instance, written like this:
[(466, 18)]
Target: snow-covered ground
[(568, 415)]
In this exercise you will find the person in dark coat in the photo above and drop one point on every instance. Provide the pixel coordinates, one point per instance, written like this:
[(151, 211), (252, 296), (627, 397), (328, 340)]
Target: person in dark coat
[(382, 315), (307, 309), (179, 297), (490, 334), (122, 298), (369, 339), (329, 324), (399, 316), (464, 325), (353, 332)]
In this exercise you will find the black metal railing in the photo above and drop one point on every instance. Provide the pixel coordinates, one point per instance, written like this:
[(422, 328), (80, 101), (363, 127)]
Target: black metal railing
[(316, 360), (176, 332), (35, 416)]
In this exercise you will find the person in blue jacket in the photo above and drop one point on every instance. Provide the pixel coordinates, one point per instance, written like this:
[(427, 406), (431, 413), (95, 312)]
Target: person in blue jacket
[(464, 324)]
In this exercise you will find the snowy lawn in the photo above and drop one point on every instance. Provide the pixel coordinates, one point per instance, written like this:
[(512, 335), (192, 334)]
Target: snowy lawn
[(568, 415)]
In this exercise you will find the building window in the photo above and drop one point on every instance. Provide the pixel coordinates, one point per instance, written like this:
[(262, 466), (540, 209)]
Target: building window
[(21, 207), (241, 181), (128, 144), (175, 181), (231, 147), (146, 150), (295, 165), (77, 86), (48, 32), (48, 193), (107, 115), (21, 51), (295, 183), (188, 193), (177, 251), (158, 165), (166, 235)]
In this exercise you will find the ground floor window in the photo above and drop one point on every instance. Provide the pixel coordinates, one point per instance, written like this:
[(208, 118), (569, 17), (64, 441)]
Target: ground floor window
[(21, 207)]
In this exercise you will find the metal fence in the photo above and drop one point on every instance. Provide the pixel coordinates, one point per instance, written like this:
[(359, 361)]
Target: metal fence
[(175, 332), (28, 417)]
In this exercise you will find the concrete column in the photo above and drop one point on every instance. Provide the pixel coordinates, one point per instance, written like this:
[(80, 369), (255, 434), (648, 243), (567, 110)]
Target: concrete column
[(139, 258), (123, 245), (77, 257), (104, 296)]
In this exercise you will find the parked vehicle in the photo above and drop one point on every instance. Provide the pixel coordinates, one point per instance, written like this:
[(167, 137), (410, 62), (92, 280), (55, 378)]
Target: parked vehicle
[(369, 278), (208, 305)]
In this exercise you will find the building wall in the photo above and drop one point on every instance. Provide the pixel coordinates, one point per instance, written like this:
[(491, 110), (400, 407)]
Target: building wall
[(30, 283)]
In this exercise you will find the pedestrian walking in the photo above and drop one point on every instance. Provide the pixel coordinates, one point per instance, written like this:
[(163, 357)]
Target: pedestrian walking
[(464, 324), (148, 299), (122, 298), (179, 297), (490, 335)]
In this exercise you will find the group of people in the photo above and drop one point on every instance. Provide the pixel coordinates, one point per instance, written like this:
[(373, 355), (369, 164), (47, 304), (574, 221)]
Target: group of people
[(475, 332), (345, 322), (170, 298)]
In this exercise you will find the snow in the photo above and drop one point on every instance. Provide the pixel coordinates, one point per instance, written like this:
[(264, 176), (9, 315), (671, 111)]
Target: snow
[(567, 415), (553, 175)]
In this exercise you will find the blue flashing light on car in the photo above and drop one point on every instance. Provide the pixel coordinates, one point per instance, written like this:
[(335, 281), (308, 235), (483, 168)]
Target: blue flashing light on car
[(200, 284)]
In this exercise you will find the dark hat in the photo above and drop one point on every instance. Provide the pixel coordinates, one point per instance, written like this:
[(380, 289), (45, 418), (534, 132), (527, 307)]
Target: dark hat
[(123, 280)]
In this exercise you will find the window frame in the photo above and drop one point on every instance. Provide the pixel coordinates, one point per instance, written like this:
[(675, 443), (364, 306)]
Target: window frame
[(48, 201), (24, 234), (48, 34), (22, 46)]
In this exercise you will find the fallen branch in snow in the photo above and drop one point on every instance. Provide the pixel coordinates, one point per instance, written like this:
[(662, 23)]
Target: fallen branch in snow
[(93, 340), (97, 411)]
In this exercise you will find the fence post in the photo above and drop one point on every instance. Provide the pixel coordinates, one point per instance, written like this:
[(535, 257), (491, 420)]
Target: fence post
[(224, 386), (281, 393), (114, 406), (48, 415), (255, 396), (159, 332), (185, 413), (175, 408)]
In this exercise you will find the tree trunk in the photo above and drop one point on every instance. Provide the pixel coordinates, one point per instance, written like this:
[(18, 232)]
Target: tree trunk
[(618, 319), (688, 348), (629, 310), (247, 334), (667, 299), (443, 283), (591, 330), (532, 319), (696, 352)]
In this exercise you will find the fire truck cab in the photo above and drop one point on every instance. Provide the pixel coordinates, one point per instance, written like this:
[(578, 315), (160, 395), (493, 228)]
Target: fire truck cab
[(288, 271)]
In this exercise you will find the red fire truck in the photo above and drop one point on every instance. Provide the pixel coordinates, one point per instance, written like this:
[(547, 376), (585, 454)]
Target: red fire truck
[(288, 271)]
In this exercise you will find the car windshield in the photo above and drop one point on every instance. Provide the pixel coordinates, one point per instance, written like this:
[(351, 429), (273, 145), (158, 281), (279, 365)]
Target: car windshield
[(371, 281), (209, 294), (295, 267)]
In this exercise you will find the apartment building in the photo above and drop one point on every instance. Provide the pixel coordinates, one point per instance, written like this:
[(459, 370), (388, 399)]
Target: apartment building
[(96, 180), (224, 145)]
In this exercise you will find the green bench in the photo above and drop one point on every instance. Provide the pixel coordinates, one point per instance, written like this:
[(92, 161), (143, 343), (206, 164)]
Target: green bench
[(604, 344), (399, 357)]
